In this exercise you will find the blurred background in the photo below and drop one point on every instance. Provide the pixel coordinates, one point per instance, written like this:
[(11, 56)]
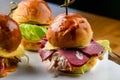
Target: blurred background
[(108, 8)]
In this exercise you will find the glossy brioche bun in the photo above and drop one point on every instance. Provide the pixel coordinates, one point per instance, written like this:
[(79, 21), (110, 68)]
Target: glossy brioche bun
[(31, 46), (69, 31), (10, 36), (32, 11)]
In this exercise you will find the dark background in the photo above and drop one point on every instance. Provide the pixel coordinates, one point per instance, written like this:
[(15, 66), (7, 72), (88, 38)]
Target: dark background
[(108, 8)]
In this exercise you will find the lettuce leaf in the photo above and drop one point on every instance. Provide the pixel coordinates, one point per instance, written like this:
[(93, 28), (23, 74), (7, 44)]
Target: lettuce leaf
[(84, 68), (32, 32), (105, 44), (80, 70)]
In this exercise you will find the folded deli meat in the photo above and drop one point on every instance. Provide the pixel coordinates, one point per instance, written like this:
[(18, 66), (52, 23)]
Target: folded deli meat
[(75, 56)]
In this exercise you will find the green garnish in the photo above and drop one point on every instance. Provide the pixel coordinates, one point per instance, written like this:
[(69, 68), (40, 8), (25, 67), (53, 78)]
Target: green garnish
[(105, 44), (32, 32), (81, 70)]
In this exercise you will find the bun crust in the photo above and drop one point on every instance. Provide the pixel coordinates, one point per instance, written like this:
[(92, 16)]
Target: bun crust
[(69, 31), (10, 36), (32, 46), (33, 11)]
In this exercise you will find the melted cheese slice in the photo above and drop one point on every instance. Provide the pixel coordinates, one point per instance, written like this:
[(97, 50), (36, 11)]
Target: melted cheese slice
[(49, 46), (19, 52)]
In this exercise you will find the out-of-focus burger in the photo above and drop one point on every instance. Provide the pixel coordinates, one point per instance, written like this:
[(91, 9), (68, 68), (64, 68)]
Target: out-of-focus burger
[(69, 44), (33, 17), (10, 49)]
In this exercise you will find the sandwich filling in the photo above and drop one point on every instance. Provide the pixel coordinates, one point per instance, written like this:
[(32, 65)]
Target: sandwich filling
[(32, 33), (65, 59), (9, 61)]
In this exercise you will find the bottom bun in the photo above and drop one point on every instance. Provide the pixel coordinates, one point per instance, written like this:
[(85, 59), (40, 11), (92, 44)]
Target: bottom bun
[(31, 46)]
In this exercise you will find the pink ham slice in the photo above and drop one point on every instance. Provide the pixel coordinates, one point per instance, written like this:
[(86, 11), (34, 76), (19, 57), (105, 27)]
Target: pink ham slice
[(71, 56), (93, 49), (45, 54), (42, 42), (2, 65)]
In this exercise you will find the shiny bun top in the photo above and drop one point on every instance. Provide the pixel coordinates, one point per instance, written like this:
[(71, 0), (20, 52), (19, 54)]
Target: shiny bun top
[(67, 31), (33, 11), (10, 36)]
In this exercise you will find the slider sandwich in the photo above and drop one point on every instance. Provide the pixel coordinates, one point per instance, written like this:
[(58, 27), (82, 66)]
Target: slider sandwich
[(33, 16), (10, 49), (69, 45)]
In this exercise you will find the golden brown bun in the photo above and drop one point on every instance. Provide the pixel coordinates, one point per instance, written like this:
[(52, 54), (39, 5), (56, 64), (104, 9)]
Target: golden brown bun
[(10, 36), (32, 46), (69, 31), (33, 11)]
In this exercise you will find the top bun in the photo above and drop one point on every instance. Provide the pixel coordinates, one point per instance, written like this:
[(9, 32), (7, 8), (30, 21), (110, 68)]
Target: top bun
[(10, 36), (33, 11), (67, 31)]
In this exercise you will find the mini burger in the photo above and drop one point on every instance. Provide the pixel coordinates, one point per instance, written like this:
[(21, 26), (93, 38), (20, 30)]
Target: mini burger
[(10, 49), (69, 44), (33, 16)]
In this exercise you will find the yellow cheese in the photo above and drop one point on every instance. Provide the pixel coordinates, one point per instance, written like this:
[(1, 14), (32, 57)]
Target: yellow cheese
[(49, 46), (19, 52)]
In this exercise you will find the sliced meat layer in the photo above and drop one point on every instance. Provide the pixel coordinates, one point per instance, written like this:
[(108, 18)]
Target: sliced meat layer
[(2, 66), (75, 58), (45, 54), (93, 49), (42, 42)]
